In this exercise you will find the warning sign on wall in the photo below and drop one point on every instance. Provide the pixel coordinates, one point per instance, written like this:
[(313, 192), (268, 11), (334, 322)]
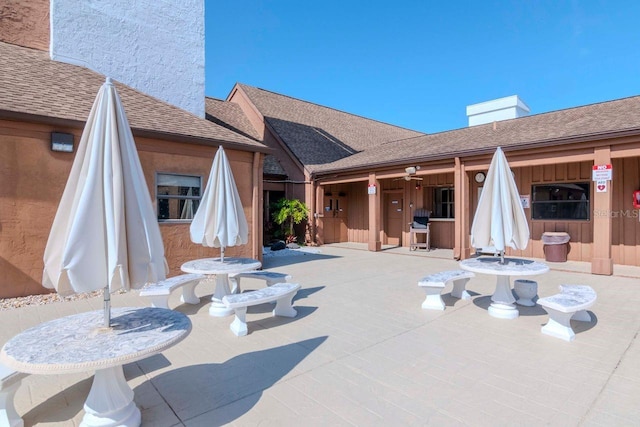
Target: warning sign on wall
[(601, 172)]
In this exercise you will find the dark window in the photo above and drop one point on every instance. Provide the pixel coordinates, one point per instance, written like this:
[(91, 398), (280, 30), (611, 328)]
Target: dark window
[(561, 201), (178, 196), (443, 202)]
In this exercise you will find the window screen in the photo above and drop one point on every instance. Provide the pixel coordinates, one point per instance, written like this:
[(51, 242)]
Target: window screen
[(561, 201)]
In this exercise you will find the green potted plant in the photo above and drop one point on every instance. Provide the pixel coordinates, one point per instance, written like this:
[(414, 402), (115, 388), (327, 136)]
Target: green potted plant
[(290, 212)]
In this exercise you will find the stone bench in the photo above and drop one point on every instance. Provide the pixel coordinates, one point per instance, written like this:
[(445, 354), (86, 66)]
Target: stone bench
[(271, 277), (571, 303), (282, 293), (433, 285), (9, 382), (159, 292)]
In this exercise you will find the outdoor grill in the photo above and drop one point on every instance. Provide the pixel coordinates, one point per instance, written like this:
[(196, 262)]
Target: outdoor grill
[(420, 218), (420, 225)]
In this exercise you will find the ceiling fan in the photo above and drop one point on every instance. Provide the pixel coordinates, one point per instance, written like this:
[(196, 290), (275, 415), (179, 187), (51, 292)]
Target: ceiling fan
[(409, 178)]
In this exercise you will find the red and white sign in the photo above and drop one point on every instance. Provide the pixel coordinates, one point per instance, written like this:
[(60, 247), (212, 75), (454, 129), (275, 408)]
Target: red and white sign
[(371, 189), (601, 186), (601, 172)]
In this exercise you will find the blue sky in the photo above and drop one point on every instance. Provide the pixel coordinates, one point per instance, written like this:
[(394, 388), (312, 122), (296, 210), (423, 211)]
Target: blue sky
[(418, 64)]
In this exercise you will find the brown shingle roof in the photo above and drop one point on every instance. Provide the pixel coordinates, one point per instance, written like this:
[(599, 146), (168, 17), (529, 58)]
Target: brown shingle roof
[(317, 135), (557, 127), (229, 115), (272, 166), (32, 84)]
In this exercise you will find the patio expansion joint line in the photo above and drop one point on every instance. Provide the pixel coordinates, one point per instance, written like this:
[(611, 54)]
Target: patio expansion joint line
[(337, 359), (305, 372), (291, 377), (604, 386), (149, 379), (316, 401), (259, 393), (446, 313)]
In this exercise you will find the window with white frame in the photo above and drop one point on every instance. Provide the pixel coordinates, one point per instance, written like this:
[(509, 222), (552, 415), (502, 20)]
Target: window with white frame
[(178, 196), (443, 202)]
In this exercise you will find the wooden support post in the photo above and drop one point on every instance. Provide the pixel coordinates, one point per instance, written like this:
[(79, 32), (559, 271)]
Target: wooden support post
[(602, 261), (374, 243), (462, 243)]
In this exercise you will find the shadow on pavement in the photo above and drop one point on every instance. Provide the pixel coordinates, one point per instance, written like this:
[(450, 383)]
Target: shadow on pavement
[(226, 391), (65, 405), (61, 407), (279, 261), (305, 292)]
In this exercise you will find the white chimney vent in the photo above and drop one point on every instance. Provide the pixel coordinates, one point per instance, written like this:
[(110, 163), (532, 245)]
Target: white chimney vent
[(510, 107)]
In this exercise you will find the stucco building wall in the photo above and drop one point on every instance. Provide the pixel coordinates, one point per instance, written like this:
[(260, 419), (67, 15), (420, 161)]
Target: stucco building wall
[(33, 178), (155, 47), (25, 23), (166, 157)]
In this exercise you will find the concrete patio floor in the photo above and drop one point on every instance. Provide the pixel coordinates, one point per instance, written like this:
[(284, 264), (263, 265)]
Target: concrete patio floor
[(363, 352)]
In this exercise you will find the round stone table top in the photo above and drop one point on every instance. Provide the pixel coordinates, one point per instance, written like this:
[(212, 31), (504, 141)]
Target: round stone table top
[(215, 266), (511, 266), (80, 342)]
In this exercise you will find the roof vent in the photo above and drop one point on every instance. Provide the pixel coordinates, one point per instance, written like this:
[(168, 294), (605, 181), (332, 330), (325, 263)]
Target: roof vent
[(510, 107)]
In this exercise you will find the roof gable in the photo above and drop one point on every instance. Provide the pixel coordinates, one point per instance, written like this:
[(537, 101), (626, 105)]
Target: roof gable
[(229, 115), (318, 135)]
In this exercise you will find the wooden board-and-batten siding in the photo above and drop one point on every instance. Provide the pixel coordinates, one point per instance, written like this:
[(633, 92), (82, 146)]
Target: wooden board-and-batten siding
[(625, 219)]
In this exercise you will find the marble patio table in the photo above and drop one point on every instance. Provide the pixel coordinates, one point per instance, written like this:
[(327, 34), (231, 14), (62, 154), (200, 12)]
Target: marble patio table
[(221, 270), (502, 301), (80, 342)]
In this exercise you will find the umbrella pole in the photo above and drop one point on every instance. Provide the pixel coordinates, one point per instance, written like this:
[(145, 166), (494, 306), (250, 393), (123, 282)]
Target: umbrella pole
[(107, 307), (222, 254), (501, 257)]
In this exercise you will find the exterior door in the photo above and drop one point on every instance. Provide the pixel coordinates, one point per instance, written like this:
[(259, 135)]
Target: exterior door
[(393, 218), (335, 219)]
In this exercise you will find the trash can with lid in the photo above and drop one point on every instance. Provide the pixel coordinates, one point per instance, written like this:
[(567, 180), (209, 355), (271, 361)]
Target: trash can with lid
[(556, 246)]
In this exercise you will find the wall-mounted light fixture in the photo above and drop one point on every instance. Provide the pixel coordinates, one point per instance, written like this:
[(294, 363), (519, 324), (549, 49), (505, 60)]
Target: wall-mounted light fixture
[(411, 170), (62, 142)]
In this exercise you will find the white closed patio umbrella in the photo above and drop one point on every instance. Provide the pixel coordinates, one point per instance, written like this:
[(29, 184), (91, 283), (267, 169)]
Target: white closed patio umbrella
[(219, 221), (105, 234), (500, 220)]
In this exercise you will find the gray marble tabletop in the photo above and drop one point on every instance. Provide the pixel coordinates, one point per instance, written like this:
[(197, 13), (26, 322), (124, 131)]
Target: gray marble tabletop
[(215, 266), (511, 266), (79, 342)]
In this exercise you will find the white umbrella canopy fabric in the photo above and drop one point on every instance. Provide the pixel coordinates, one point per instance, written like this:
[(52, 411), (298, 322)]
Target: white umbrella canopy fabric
[(500, 220), (105, 234), (219, 221)]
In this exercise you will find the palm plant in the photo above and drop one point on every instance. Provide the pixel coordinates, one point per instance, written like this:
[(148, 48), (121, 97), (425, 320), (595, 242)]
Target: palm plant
[(291, 212)]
